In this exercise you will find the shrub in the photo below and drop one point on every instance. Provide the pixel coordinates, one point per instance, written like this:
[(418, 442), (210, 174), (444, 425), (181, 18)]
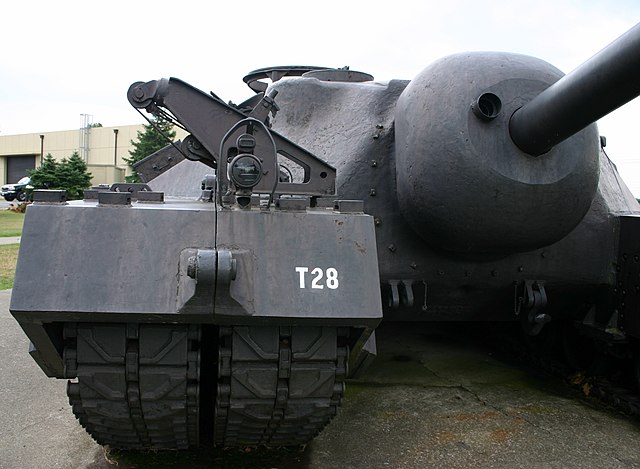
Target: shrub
[(70, 175)]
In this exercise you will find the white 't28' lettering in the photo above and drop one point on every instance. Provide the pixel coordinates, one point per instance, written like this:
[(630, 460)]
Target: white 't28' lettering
[(330, 277)]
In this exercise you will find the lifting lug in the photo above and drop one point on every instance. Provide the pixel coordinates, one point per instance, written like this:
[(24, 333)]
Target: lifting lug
[(530, 301)]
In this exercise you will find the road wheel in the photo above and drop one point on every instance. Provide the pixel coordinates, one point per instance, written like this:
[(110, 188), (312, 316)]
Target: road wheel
[(22, 196)]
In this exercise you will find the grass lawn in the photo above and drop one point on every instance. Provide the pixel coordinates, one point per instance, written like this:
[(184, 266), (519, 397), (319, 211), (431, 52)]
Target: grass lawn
[(8, 259), (11, 223)]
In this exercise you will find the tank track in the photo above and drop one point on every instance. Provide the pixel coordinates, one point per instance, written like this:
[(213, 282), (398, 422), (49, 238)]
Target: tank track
[(138, 385), (278, 386)]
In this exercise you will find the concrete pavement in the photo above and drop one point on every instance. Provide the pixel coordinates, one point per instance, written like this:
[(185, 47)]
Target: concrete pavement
[(38, 429), (430, 400)]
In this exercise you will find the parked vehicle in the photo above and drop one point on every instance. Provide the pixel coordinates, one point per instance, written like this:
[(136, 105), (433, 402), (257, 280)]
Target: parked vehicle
[(18, 190)]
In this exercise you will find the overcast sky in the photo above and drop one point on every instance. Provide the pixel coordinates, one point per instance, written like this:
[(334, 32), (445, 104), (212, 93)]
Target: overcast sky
[(67, 58)]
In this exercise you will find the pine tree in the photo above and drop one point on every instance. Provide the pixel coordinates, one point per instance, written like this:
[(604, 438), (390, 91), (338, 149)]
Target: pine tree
[(70, 174), (149, 141), (73, 176), (45, 176)]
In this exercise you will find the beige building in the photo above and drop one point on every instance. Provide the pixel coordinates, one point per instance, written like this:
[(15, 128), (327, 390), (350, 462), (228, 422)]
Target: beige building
[(103, 148)]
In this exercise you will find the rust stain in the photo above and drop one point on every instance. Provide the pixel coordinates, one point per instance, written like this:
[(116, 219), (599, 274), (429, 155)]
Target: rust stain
[(361, 249), (501, 435)]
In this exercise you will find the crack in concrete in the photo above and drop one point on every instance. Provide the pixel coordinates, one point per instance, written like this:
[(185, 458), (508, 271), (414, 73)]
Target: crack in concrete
[(475, 394), (390, 384)]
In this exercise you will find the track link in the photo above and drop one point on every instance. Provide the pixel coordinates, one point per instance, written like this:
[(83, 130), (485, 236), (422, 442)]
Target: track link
[(137, 384), (278, 386)]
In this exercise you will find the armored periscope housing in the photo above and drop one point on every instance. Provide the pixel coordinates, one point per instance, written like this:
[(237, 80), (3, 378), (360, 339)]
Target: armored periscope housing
[(477, 191)]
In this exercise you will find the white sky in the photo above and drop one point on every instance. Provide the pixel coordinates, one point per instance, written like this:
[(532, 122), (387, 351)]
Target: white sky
[(66, 58)]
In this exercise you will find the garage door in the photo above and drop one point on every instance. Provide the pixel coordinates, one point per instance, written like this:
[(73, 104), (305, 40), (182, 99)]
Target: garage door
[(17, 167)]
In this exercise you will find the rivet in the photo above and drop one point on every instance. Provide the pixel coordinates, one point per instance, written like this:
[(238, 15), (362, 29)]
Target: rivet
[(377, 221), (392, 247), (413, 265), (374, 163), (372, 192)]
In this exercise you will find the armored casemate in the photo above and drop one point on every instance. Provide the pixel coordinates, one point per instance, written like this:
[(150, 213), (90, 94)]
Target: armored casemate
[(479, 190)]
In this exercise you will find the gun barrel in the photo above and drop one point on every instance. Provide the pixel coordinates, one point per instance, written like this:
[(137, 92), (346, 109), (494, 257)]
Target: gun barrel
[(608, 80)]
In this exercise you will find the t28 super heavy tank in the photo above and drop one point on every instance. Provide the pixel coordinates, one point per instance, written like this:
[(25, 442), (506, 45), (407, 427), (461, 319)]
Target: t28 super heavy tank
[(477, 191)]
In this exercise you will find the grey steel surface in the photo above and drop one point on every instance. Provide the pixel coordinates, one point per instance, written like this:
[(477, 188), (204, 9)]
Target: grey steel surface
[(274, 74), (366, 160), (600, 85), (120, 249), (141, 246), (504, 200), (427, 402), (130, 263), (158, 163), (182, 180), (208, 120), (627, 295), (315, 264)]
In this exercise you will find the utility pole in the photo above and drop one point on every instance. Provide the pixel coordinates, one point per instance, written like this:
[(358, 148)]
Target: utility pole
[(115, 148)]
